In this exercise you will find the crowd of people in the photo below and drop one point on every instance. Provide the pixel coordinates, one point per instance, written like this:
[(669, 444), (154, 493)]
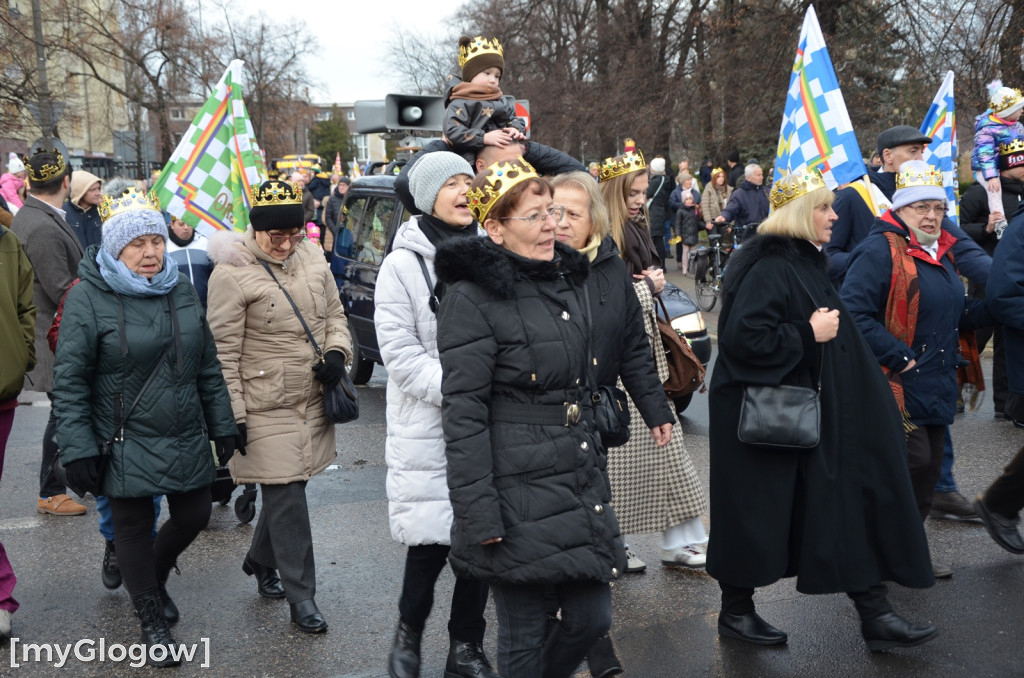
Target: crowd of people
[(522, 286)]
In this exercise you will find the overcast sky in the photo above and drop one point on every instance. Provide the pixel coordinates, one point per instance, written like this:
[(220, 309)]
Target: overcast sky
[(353, 35)]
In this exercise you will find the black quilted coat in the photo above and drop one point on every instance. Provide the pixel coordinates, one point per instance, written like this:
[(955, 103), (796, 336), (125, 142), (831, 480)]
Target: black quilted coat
[(512, 330)]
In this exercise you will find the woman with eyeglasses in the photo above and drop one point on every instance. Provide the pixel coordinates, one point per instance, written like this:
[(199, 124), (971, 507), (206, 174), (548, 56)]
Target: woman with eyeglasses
[(276, 382), (905, 293), (526, 468)]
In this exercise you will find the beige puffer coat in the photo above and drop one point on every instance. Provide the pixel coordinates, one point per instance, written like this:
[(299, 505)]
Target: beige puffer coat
[(268, 359)]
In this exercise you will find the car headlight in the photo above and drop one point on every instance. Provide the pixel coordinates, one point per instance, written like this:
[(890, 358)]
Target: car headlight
[(689, 323)]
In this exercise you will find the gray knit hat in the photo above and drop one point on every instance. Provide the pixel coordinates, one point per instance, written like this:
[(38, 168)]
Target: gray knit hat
[(429, 174), (132, 214)]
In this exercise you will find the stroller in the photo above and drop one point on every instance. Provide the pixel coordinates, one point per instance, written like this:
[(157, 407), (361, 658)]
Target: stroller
[(222, 489)]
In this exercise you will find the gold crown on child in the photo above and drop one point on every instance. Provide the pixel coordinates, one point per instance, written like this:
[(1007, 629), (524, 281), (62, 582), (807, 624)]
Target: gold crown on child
[(501, 177), (478, 46), (274, 193), (47, 171), (132, 199), (909, 178), (1015, 146), (630, 161), (1011, 97), (794, 185)]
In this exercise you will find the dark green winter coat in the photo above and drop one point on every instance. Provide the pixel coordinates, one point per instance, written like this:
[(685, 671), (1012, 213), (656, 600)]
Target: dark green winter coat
[(166, 443)]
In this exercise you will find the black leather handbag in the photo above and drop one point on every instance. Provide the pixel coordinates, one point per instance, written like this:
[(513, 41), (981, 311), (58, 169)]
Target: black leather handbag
[(609, 403)]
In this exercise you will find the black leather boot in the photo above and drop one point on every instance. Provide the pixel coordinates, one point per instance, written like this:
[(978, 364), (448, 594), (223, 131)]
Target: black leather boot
[(306, 615), (170, 609), (149, 607), (111, 571), (404, 659), (467, 660), (602, 660), (267, 582), (891, 630)]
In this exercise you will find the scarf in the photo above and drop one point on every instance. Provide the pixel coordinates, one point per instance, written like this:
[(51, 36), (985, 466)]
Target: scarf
[(178, 241), (637, 248), (590, 249), (131, 284), (467, 90), (438, 231)]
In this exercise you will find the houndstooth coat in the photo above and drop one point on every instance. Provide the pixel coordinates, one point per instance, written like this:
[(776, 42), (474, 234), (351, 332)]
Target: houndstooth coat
[(653, 487)]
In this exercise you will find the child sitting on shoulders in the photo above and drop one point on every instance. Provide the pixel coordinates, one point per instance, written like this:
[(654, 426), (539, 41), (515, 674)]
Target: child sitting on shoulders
[(998, 125), (477, 113)]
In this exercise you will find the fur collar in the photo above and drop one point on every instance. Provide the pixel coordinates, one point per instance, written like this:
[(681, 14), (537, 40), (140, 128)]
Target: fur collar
[(768, 245), (226, 247), (496, 270)]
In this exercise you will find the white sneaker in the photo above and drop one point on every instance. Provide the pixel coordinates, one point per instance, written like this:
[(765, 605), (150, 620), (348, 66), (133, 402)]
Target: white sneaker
[(634, 564), (691, 555), (5, 624)]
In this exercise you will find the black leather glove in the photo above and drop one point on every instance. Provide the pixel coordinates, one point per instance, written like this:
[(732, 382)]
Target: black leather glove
[(85, 475), (225, 446), (329, 373), (242, 438)]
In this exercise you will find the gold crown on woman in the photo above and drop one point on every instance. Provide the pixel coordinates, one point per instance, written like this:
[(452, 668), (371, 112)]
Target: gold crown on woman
[(914, 176), (1015, 146), (794, 185), (501, 177), (47, 171), (132, 199), (274, 193), (630, 161), (477, 46)]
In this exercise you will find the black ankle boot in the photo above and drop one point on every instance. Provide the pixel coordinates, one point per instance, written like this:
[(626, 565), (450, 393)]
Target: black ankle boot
[(602, 660), (404, 660), (170, 609), (467, 660), (149, 607), (111, 572), (268, 584)]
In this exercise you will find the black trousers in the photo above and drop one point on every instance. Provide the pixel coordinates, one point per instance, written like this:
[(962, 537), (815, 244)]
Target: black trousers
[(423, 565), (144, 560), (283, 539), (1006, 495), (925, 446), (49, 486), (1000, 382), (870, 604)]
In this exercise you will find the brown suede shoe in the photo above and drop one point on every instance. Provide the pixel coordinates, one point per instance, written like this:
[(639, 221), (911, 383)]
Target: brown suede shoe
[(59, 505)]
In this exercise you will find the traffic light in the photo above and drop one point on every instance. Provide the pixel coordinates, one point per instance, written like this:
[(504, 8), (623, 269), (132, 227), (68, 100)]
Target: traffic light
[(400, 112)]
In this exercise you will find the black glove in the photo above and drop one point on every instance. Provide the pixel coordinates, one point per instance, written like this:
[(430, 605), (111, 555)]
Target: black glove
[(225, 446), (329, 372), (85, 475), (242, 438)]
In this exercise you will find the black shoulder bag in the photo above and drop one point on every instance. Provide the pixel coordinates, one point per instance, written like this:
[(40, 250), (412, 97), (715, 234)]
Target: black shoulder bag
[(782, 416), (341, 403), (610, 404)]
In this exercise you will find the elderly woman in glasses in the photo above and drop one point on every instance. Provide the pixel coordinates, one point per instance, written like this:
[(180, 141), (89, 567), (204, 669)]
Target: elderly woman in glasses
[(276, 383), (905, 293)]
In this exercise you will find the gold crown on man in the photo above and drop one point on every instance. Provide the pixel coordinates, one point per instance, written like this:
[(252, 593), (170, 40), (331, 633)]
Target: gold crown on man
[(501, 177), (794, 185), (911, 177), (1011, 96), (630, 161), (477, 46), (47, 171), (1015, 146), (274, 193), (132, 199)]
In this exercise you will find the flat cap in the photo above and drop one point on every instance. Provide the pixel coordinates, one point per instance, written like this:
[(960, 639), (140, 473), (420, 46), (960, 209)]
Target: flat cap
[(900, 135)]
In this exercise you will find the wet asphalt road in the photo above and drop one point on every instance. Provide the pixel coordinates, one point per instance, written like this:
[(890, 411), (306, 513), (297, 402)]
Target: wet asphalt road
[(665, 621)]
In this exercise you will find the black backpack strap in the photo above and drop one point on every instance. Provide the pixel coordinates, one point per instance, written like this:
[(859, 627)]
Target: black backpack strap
[(434, 301)]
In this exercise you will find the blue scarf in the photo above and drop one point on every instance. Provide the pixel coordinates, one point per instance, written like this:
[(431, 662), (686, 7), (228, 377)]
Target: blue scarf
[(131, 284)]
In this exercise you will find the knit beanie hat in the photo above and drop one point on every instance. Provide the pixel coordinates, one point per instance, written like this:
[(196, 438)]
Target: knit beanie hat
[(276, 206), (478, 54), (658, 166), (14, 164), (1004, 100), (81, 182), (917, 180), (131, 215), (429, 174)]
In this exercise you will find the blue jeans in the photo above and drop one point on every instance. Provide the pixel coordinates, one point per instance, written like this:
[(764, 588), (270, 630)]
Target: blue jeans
[(946, 481), (107, 518), (522, 611)]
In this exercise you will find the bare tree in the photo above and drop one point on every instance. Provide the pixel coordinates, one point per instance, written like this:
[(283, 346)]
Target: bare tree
[(423, 61)]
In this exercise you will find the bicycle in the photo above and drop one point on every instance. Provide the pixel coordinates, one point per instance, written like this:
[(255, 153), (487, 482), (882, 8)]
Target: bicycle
[(707, 273)]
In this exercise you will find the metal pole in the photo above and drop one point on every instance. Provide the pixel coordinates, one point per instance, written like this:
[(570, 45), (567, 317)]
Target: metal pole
[(46, 122)]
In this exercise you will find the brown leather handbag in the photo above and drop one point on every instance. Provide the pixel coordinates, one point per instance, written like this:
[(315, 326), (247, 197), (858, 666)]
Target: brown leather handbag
[(685, 373)]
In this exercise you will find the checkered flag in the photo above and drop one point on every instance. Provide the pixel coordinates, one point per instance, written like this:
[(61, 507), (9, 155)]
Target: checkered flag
[(940, 125)]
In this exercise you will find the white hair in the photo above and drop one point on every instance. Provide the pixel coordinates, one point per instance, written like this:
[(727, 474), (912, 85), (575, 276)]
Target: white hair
[(748, 171)]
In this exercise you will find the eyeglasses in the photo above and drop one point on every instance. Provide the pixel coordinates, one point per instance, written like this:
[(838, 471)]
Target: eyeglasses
[(923, 210), (277, 240), (555, 213)]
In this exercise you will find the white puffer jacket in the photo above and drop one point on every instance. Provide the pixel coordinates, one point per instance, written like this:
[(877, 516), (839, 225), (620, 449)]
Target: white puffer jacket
[(417, 486)]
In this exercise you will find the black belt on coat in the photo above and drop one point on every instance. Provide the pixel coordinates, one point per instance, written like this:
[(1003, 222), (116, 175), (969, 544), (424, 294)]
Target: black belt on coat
[(566, 414)]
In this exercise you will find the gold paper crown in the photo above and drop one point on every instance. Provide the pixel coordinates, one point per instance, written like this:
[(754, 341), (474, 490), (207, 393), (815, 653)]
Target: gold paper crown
[(47, 171), (1010, 97), (1015, 146), (132, 199), (792, 186), (911, 177), (275, 193), (501, 177), (477, 46), (717, 170), (631, 161)]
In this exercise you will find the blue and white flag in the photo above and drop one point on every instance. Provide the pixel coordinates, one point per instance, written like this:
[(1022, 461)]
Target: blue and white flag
[(940, 125), (816, 129)]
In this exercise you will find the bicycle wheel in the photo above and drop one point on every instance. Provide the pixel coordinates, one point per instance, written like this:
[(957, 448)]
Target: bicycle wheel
[(705, 288)]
